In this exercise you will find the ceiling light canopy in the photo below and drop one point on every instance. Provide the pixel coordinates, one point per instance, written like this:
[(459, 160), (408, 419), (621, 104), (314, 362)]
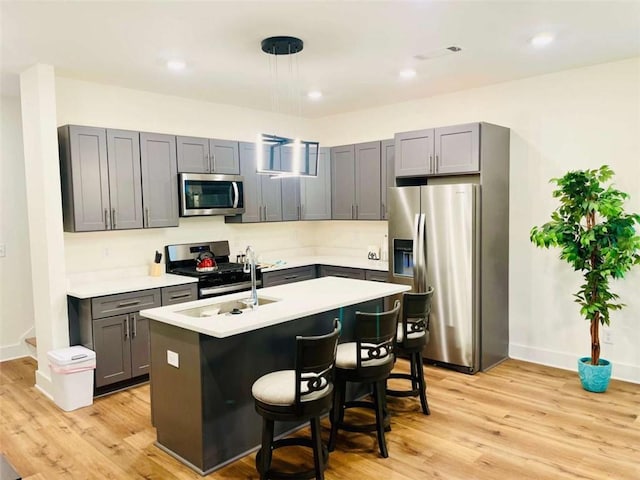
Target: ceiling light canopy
[(542, 40), (314, 94)]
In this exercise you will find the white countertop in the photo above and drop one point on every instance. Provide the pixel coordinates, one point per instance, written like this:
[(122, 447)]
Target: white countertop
[(88, 288), (97, 284), (294, 300), (334, 260)]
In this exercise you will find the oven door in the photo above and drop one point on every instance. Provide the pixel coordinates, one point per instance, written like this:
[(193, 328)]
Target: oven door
[(225, 283), (210, 194)]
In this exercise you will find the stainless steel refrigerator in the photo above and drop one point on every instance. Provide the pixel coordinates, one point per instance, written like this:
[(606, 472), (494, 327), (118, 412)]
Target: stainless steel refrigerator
[(435, 240)]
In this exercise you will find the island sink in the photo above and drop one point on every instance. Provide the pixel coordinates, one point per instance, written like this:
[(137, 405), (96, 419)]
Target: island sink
[(230, 307)]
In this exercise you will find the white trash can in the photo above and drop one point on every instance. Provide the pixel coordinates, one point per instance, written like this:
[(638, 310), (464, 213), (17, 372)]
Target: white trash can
[(72, 376)]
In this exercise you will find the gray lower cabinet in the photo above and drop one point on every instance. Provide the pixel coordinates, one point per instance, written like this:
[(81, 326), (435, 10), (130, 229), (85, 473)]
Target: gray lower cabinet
[(101, 179), (288, 275), (315, 192), (376, 275), (179, 294), (159, 179), (355, 182), (204, 155), (345, 272), (438, 151), (112, 326), (262, 194), (388, 173)]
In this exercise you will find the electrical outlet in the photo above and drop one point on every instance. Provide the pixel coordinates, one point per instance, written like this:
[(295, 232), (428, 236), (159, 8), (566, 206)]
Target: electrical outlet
[(3, 250), (173, 359), (607, 337)]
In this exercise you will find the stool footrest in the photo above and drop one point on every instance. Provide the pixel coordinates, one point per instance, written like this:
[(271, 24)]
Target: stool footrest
[(291, 442), (414, 392), (370, 427)]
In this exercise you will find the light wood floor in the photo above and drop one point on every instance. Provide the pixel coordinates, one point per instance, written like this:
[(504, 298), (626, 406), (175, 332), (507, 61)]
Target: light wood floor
[(518, 421)]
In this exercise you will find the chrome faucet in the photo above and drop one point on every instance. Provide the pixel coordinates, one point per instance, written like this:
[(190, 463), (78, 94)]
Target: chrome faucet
[(250, 266)]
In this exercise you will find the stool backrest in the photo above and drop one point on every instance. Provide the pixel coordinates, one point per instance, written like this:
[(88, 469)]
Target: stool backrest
[(315, 361), (416, 308), (375, 335)]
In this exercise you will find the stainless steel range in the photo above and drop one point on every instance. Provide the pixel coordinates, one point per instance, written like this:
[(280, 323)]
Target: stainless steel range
[(218, 276)]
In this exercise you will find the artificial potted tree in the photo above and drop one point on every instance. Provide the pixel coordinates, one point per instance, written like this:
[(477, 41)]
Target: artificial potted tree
[(599, 239)]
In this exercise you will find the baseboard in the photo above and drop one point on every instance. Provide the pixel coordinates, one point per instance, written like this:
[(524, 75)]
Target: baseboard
[(568, 361), (16, 350), (43, 384)]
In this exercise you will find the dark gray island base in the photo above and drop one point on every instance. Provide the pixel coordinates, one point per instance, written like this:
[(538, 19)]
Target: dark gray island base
[(203, 410)]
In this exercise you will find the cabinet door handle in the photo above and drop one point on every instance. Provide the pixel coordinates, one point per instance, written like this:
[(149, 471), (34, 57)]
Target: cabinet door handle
[(430, 163), (265, 213), (351, 212), (146, 214), (126, 327), (356, 217), (207, 161), (182, 295), (436, 163), (291, 277), (128, 304), (134, 329), (106, 219), (113, 218), (384, 211), (212, 162)]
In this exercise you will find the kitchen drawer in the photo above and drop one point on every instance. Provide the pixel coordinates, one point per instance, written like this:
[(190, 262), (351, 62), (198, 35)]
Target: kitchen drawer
[(376, 275), (179, 294), (345, 272), (289, 275), (124, 303)]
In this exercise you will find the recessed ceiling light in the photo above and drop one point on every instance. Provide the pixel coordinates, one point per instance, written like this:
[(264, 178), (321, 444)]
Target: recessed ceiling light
[(314, 94), (176, 65), (407, 73), (542, 40)]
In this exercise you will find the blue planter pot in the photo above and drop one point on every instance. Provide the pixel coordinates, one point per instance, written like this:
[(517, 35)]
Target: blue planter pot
[(594, 378)]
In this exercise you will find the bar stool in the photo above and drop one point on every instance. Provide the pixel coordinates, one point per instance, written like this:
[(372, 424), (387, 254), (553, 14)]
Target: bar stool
[(412, 336), (302, 394), (368, 359)]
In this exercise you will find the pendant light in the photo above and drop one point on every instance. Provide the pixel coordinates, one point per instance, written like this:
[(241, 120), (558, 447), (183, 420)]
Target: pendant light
[(286, 156)]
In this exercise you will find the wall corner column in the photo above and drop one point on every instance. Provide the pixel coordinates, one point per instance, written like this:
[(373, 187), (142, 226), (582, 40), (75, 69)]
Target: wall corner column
[(44, 208)]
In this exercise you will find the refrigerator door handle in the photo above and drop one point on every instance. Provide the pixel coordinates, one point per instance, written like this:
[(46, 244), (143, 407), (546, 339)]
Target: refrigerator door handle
[(416, 252), (423, 252)]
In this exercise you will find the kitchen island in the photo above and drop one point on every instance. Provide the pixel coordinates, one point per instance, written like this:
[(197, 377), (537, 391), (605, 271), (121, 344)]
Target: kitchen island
[(204, 360)]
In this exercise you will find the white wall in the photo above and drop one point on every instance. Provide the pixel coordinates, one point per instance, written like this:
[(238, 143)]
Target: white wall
[(574, 119), (16, 299)]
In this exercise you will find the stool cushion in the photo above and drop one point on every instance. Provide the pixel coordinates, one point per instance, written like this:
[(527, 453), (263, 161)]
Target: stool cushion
[(346, 357), (411, 335), (279, 388)]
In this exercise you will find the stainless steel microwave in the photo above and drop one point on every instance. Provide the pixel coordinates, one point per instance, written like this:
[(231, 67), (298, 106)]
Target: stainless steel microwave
[(210, 194)]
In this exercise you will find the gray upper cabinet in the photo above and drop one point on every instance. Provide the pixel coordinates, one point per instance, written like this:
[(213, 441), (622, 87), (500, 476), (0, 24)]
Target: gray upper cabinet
[(315, 192), (193, 154), (355, 182), (202, 155), (125, 188), (224, 156), (457, 149), (388, 172), (438, 151), (101, 178), (291, 208), (414, 153), (262, 194), (368, 181), (343, 178), (159, 179)]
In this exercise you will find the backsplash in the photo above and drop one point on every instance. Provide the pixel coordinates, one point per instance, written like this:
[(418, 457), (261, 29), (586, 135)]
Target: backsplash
[(94, 251)]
